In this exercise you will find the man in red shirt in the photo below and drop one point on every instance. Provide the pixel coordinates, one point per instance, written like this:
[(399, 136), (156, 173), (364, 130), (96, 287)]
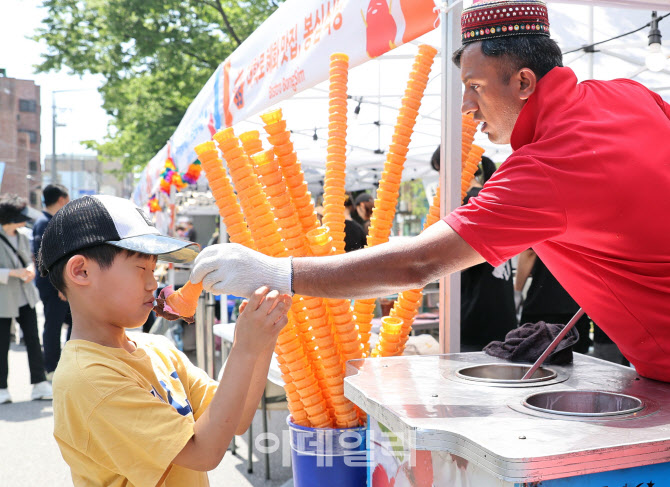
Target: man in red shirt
[(576, 189)]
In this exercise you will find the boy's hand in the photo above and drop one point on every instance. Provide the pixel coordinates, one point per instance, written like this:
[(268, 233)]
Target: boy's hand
[(261, 319)]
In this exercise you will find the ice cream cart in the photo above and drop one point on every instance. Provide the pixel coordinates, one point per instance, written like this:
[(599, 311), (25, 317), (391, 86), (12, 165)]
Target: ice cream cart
[(468, 420)]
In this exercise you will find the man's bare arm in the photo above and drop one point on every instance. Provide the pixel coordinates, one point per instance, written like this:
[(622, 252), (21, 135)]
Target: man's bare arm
[(385, 269)]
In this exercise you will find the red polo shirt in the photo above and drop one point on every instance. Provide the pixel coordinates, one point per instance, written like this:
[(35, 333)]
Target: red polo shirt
[(588, 188)]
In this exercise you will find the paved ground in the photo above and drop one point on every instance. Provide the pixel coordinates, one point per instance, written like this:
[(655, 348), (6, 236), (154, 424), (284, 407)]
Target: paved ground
[(30, 455)]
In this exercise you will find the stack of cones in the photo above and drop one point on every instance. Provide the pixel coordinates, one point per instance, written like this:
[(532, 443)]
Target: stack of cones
[(470, 154), (224, 196), (305, 399), (332, 356), (251, 142), (389, 185), (308, 317), (268, 171), (333, 186), (280, 138), (255, 206), (389, 343), (408, 303), (469, 168)]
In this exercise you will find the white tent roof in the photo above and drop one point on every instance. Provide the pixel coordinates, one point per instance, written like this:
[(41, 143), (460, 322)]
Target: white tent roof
[(379, 85)]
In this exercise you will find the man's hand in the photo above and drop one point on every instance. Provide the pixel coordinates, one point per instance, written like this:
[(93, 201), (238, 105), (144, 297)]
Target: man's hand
[(260, 320), (237, 270)]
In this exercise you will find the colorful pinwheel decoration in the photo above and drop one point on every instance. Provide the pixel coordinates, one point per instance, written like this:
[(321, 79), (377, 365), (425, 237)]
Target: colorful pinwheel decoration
[(193, 173)]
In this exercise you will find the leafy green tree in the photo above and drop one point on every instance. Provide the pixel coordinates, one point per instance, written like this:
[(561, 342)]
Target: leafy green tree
[(155, 55), (414, 194)]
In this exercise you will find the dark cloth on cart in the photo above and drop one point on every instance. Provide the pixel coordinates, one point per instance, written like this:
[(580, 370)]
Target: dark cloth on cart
[(527, 343), (548, 301)]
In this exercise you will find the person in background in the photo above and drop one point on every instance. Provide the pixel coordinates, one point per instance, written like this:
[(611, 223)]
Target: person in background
[(354, 233), (546, 300), (363, 204), (56, 309), (18, 296), (487, 292), (188, 230), (319, 213)]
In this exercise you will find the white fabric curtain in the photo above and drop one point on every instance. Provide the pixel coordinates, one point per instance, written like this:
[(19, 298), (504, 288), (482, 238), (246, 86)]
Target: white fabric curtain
[(641, 4)]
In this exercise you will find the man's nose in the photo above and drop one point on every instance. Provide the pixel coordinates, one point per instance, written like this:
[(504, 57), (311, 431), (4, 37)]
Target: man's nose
[(468, 106)]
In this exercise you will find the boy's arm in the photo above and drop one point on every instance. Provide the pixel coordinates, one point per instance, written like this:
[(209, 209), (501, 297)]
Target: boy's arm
[(257, 330), (257, 386), (214, 430), (258, 382)]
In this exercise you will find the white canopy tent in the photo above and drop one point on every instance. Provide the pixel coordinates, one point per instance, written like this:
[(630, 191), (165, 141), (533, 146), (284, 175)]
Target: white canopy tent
[(378, 84), (376, 87)]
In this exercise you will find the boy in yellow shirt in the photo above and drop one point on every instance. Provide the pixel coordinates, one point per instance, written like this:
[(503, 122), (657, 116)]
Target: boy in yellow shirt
[(132, 410)]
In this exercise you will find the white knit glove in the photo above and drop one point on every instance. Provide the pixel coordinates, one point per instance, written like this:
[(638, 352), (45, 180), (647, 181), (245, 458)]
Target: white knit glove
[(234, 269)]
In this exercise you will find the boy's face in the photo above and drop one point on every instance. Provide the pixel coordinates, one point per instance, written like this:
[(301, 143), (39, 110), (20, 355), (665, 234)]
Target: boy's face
[(126, 290)]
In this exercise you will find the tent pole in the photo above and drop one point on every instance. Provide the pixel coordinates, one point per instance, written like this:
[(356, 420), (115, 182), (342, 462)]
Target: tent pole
[(450, 167), (591, 29)]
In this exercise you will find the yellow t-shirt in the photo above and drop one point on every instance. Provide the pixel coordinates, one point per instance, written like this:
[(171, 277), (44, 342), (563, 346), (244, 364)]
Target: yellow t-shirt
[(120, 418)]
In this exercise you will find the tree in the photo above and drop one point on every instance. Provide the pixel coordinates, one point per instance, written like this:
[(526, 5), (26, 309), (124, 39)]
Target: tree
[(155, 55)]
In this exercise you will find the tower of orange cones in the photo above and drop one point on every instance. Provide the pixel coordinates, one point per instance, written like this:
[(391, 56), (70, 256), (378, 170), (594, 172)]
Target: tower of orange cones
[(264, 202), (312, 316), (383, 212), (406, 306), (333, 185)]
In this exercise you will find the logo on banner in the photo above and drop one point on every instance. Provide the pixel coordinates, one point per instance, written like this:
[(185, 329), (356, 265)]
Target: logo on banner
[(380, 28), (239, 97)]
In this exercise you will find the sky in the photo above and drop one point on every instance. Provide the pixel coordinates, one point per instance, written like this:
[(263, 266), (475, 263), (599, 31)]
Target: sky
[(80, 111)]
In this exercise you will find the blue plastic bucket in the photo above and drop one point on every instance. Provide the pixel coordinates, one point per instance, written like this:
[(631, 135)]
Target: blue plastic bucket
[(328, 457)]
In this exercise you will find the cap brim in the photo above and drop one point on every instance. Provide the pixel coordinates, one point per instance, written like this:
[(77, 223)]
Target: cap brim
[(167, 249), (28, 214)]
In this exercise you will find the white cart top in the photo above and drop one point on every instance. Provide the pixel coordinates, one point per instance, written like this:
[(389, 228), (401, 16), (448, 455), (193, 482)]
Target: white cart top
[(421, 400)]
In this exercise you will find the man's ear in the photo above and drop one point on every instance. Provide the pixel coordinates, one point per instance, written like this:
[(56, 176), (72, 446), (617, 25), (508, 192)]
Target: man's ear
[(527, 83), (77, 271)]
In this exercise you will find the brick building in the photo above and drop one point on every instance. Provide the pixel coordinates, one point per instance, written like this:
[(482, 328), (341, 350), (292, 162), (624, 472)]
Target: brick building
[(20, 170)]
